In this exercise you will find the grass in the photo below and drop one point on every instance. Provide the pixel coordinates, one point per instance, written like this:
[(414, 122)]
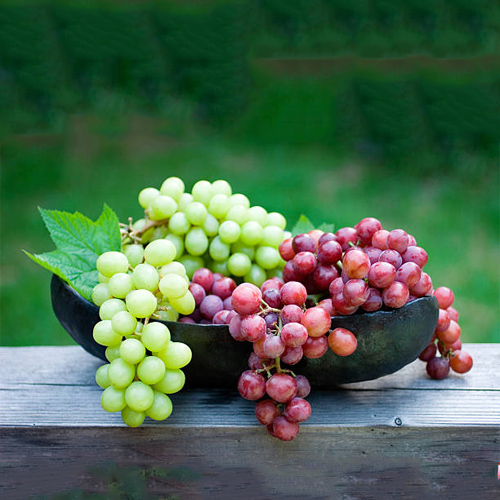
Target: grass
[(454, 214)]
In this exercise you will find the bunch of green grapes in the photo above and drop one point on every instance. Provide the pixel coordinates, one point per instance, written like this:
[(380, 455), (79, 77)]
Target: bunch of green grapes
[(144, 363), (210, 227)]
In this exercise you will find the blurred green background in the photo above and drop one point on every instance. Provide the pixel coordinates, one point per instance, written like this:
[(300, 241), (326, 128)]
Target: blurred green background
[(335, 109)]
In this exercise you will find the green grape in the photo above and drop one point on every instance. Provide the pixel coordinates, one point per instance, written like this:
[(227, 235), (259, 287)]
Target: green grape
[(178, 243), (238, 214), (147, 235), (139, 396), (162, 207), (120, 373), (132, 351), (211, 225), (239, 199), (110, 263), (139, 224), (239, 264), (219, 205), (141, 303), (120, 284), (159, 232), (112, 352), (101, 376), (146, 277), (184, 305), (221, 187), (179, 224), (191, 264), (202, 192), (276, 219), (124, 323), (219, 267), (185, 200), (267, 257), (174, 267), (251, 233), (109, 308), (170, 314), (151, 370), (276, 272), (139, 327), (147, 195), (172, 382), (240, 247), (219, 250), (161, 407), (132, 418), (134, 254), (272, 236), (287, 234), (196, 213), (159, 252), (104, 334), (100, 294), (102, 279), (173, 187), (257, 275), (113, 399), (176, 355), (229, 231), (196, 242), (155, 336), (258, 214), (173, 286)]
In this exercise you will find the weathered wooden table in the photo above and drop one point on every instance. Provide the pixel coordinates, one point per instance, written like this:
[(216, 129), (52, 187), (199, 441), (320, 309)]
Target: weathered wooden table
[(401, 436)]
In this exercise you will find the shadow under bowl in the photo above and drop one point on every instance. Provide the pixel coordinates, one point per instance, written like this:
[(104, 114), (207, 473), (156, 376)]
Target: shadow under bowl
[(387, 341)]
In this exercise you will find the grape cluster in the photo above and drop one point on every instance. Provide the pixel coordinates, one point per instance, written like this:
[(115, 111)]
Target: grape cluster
[(144, 363), (446, 340), (210, 227)]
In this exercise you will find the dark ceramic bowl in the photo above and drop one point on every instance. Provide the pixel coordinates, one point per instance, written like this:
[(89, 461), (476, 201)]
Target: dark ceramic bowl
[(387, 341)]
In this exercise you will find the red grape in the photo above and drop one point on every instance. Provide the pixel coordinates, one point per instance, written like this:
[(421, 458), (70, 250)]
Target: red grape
[(461, 361), (379, 239), (317, 321), (293, 292), (395, 295), (315, 347), (246, 299), (286, 249), (438, 368), (297, 410), (366, 228), (283, 429), (266, 411), (294, 334), (444, 296), (281, 387), (381, 274), (356, 264), (398, 240), (342, 341), (304, 243), (251, 385)]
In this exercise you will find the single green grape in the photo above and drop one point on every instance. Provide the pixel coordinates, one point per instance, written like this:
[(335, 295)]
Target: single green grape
[(100, 294), (162, 207), (239, 264), (211, 225), (120, 285), (257, 275), (159, 232), (221, 186), (196, 213), (147, 195), (173, 381), (219, 266), (267, 257), (238, 214), (178, 243), (251, 233), (104, 334), (240, 247), (139, 396), (272, 236), (159, 252), (155, 336), (173, 187), (176, 355), (276, 219), (229, 231), (258, 214), (174, 267), (184, 305), (145, 276), (202, 192), (101, 376), (132, 351), (113, 399), (124, 323), (169, 314), (151, 370), (110, 263), (134, 254), (239, 199), (141, 303), (219, 205), (112, 352), (179, 224), (101, 278), (185, 200), (161, 407), (219, 250), (173, 286), (120, 373), (191, 263), (109, 308), (132, 418), (196, 242)]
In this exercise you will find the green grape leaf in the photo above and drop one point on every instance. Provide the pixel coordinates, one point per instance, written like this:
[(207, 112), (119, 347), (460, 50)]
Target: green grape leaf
[(327, 228), (79, 241), (303, 225)]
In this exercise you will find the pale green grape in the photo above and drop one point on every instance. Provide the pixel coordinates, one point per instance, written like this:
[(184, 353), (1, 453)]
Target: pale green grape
[(173, 187), (196, 242), (120, 284), (159, 232), (185, 200), (104, 334), (172, 382), (162, 207), (161, 407), (229, 231), (147, 195), (109, 308), (134, 254), (146, 277), (179, 223), (176, 355), (147, 235), (239, 264), (238, 214), (160, 252), (257, 275), (272, 236), (174, 267), (101, 278), (151, 370), (112, 352), (239, 199), (202, 192), (139, 224), (221, 187), (141, 303), (100, 294), (120, 373), (251, 233), (113, 399), (276, 219), (132, 351), (124, 323), (168, 315), (219, 205), (184, 305), (240, 247), (139, 327), (178, 243), (258, 214), (101, 376), (267, 257), (211, 225), (173, 286), (219, 250), (132, 418), (196, 213), (110, 263), (155, 336), (191, 264), (219, 266), (139, 396)]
